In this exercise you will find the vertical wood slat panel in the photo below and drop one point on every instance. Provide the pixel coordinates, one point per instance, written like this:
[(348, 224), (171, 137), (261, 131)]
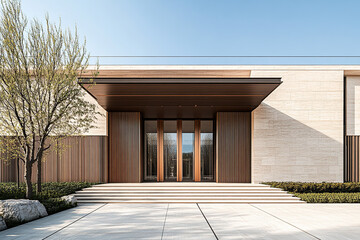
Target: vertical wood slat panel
[(197, 152), (352, 163), (179, 150), (233, 147), (82, 159), (124, 147), (8, 166)]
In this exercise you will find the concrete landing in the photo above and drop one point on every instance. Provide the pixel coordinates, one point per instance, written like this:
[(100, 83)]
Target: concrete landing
[(196, 221)]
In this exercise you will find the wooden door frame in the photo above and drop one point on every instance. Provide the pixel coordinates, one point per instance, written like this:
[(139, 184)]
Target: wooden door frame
[(197, 150), (179, 151)]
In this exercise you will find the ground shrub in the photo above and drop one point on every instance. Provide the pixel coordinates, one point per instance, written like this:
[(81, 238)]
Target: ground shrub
[(49, 190), (322, 192), (329, 197), (50, 196), (301, 187), (54, 205)]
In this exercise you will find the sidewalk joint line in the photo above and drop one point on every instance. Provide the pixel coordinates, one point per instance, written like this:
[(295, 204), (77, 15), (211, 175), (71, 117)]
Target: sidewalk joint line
[(162, 233), (74, 221), (207, 222), (285, 221)]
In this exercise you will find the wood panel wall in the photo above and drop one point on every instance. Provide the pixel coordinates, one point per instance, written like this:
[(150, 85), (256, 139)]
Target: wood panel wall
[(352, 163), (233, 147), (82, 158), (125, 147)]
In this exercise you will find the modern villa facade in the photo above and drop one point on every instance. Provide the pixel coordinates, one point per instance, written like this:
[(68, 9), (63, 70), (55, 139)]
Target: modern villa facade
[(216, 124)]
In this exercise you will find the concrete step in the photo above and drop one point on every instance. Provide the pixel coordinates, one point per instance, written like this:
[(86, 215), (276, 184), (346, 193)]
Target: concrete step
[(83, 194), (195, 201), (181, 189), (186, 198), (184, 193), (180, 184)]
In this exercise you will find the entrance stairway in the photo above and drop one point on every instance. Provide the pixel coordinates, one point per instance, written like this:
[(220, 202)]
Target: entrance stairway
[(184, 193)]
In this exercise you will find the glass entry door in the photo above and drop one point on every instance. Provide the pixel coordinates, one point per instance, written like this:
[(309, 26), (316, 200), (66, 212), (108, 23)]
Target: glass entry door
[(178, 150), (188, 150), (170, 151)]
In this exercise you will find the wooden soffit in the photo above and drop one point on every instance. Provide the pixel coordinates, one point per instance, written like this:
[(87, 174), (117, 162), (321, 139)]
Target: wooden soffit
[(180, 97)]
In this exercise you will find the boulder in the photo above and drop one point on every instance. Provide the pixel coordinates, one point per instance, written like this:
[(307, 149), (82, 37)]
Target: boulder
[(2, 224), (21, 210), (71, 199)]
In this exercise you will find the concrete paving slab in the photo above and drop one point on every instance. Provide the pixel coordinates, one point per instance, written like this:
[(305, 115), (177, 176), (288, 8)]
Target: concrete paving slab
[(118, 221), (325, 221), (185, 221), (43, 227), (243, 221)]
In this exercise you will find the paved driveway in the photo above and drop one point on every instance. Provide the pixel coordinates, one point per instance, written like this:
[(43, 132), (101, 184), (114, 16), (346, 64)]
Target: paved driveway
[(192, 221)]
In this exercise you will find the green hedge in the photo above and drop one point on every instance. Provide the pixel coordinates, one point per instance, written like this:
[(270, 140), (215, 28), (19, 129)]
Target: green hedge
[(49, 190), (301, 187), (50, 196), (329, 197)]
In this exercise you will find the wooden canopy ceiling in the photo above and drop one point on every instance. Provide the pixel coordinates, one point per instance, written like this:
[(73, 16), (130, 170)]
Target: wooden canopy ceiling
[(180, 97)]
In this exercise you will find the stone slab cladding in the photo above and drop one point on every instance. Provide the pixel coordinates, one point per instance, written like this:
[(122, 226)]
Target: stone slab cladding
[(353, 105), (298, 129)]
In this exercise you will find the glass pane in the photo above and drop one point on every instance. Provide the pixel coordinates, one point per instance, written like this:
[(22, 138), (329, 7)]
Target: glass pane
[(150, 151), (170, 151), (207, 150), (188, 145)]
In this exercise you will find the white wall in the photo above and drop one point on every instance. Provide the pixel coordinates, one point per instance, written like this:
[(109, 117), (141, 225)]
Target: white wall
[(298, 129), (353, 105), (100, 123)]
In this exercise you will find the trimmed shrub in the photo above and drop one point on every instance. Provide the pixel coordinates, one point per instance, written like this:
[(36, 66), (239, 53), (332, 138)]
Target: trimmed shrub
[(54, 205), (301, 187), (49, 190), (50, 196), (329, 197)]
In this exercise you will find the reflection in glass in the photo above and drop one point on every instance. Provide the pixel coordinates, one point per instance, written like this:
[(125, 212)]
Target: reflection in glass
[(207, 150), (170, 150), (150, 151), (188, 145)]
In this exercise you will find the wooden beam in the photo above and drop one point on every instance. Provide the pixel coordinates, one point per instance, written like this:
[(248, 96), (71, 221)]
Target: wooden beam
[(351, 73), (179, 73)]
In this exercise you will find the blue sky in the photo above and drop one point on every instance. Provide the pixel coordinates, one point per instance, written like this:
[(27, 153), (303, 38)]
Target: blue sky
[(209, 27)]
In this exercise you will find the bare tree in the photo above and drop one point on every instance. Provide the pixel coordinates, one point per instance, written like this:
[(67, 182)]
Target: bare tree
[(40, 98)]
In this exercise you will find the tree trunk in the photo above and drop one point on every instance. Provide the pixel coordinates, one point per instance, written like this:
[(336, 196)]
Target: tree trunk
[(18, 173), (29, 188), (39, 169), (39, 175)]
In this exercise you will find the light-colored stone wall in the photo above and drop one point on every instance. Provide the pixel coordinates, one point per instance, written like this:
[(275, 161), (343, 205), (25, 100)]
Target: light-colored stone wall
[(298, 129), (101, 122), (353, 105)]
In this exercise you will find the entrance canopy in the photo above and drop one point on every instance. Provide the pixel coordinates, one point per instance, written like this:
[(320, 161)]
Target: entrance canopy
[(180, 97)]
